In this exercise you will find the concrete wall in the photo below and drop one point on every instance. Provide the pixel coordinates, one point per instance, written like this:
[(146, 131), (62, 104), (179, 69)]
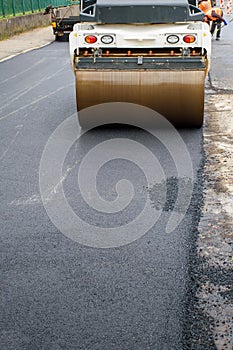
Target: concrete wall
[(19, 24)]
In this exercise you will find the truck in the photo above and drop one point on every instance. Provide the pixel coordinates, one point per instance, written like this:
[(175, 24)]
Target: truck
[(63, 19), (152, 53)]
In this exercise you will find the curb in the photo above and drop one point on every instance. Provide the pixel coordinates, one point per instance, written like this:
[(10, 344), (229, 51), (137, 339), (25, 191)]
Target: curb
[(25, 51)]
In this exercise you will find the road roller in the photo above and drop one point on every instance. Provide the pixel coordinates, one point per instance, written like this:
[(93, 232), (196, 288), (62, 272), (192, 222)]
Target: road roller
[(154, 53)]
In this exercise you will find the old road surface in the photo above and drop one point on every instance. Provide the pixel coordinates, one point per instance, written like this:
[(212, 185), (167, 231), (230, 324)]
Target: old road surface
[(99, 230)]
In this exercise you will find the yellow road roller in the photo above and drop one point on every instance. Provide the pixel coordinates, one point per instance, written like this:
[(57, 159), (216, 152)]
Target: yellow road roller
[(155, 53)]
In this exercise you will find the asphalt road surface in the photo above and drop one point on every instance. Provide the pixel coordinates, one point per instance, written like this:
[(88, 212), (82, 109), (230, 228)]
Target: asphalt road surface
[(61, 292)]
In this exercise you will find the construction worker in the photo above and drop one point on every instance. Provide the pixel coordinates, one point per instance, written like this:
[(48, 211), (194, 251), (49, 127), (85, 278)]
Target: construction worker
[(205, 5), (215, 15)]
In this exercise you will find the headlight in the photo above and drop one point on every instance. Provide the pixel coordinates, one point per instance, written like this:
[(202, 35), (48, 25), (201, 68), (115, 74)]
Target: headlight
[(107, 39), (172, 39)]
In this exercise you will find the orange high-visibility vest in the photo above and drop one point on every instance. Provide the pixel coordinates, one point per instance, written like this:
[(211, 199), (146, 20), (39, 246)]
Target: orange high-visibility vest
[(205, 6), (215, 9)]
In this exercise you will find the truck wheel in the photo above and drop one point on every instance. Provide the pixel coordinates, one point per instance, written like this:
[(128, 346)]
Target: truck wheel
[(63, 37), (66, 37), (57, 37)]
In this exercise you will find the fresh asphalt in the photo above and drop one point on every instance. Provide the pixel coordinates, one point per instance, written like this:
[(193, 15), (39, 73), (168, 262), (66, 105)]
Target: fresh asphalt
[(56, 292)]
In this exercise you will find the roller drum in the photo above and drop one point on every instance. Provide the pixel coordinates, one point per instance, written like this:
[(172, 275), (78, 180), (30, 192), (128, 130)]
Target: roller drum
[(176, 95)]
